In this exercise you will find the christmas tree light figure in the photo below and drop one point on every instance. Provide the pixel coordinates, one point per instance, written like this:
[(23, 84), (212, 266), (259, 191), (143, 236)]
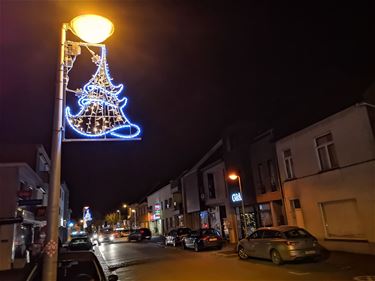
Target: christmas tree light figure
[(101, 109)]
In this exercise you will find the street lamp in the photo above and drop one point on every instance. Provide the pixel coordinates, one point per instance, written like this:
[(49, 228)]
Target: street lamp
[(91, 29), (124, 205), (119, 216), (234, 177)]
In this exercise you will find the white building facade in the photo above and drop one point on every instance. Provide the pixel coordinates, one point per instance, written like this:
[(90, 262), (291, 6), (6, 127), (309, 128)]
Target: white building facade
[(328, 176), (160, 204)]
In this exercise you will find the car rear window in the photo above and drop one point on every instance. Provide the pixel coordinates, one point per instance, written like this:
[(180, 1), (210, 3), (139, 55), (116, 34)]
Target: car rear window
[(183, 231), (210, 232), (297, 233)]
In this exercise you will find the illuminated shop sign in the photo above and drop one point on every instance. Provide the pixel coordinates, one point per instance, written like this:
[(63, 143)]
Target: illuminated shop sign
[(236, 197), (156, 215)]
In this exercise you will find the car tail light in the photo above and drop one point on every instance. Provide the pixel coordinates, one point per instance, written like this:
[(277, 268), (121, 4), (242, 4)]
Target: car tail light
[(142, 231), (290, 243), (205, 238)]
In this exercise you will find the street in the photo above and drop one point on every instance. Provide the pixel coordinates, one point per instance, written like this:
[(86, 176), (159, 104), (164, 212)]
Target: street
[(154, 261)]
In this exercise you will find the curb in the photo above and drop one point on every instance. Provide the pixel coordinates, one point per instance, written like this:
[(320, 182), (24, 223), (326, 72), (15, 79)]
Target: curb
[(103, 262)]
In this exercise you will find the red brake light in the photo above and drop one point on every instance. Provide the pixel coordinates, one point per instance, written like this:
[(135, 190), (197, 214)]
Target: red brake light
[(205, 238), (142, 231)]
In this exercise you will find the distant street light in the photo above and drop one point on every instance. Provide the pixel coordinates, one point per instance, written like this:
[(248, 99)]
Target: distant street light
[(124, 206), (91, 29), (234, 177), (119, 216)]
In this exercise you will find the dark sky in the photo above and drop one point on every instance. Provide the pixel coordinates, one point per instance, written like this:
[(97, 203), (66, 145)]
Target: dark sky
[(191, 68)]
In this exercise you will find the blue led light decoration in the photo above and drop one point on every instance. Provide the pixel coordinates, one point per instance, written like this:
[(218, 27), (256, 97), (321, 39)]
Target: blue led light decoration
[(101, 109)]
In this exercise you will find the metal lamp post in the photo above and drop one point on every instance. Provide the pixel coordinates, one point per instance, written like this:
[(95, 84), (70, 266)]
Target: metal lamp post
[(119, 216), (91, 29), (237, 177)]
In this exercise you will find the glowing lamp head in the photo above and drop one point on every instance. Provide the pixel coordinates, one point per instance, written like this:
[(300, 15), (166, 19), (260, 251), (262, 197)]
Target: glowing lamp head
[(233, 177), (133, 211), (92, 28), (124, 206)]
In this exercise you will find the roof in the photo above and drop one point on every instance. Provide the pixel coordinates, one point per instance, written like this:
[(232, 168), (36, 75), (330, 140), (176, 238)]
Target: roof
[(281, 228)]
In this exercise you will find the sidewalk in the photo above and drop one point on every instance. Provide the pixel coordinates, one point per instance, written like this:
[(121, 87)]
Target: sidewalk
[(347, 260)]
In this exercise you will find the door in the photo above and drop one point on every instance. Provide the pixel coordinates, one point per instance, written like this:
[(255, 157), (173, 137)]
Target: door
[(264, 245), (252, 243)]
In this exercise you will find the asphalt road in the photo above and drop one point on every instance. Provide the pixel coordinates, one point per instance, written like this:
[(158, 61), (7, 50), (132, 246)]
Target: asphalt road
[(153, 261)]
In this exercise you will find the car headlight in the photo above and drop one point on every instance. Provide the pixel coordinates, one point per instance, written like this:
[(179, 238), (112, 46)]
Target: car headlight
[(100, 238), (112, 237), (95, 236)]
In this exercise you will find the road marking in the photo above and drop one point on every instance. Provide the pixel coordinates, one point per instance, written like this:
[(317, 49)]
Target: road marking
[(364, 278), (299, 273)]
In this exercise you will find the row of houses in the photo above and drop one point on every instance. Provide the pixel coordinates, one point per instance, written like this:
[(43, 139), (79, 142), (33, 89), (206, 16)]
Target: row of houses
[(24, 177), (321, 177)]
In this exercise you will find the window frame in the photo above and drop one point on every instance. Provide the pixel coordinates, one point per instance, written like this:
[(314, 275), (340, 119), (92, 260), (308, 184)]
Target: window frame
[(326, 152), (288, 159)]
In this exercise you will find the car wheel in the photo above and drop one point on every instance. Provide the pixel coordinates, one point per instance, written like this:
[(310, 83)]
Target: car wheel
[(242, 254), (196, 247), (276, 257)]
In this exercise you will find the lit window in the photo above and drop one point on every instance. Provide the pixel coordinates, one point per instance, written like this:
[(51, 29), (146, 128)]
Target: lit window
[(325, 150), (288, 162)]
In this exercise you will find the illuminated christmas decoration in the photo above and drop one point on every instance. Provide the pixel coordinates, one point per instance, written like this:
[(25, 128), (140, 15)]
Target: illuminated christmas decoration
[(101, 109)]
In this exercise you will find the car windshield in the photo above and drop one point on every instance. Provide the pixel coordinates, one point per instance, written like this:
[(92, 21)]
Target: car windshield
[(77, 270), (297, 233)]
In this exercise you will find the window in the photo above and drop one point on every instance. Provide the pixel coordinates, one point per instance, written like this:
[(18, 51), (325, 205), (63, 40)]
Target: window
[(257, 234), (170, 203), (271, 234), (211, 185), (262, 188), (295, 204), (288, 161), (161, 205), (271, 172), (166, 204), (325, 150)]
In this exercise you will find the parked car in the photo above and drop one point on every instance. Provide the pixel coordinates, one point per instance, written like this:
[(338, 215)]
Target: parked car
[(73, 266), (140, 234), (175, 236), (80, 244), (281, 243), (203, 238)]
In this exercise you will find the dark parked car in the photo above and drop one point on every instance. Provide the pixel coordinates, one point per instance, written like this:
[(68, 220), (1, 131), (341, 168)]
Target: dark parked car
[(175, 236), (203, 238), (73, 266), (80, 244), (140, 234), (281, 243)]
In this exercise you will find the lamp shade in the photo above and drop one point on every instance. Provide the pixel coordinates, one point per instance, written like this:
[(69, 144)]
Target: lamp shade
[(92, 28), (233, 176)]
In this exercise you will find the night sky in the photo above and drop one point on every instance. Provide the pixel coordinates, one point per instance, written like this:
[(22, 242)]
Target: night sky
[(191, 68)]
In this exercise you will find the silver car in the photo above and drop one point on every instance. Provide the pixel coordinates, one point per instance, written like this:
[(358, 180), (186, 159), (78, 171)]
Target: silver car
[(281, 243)]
